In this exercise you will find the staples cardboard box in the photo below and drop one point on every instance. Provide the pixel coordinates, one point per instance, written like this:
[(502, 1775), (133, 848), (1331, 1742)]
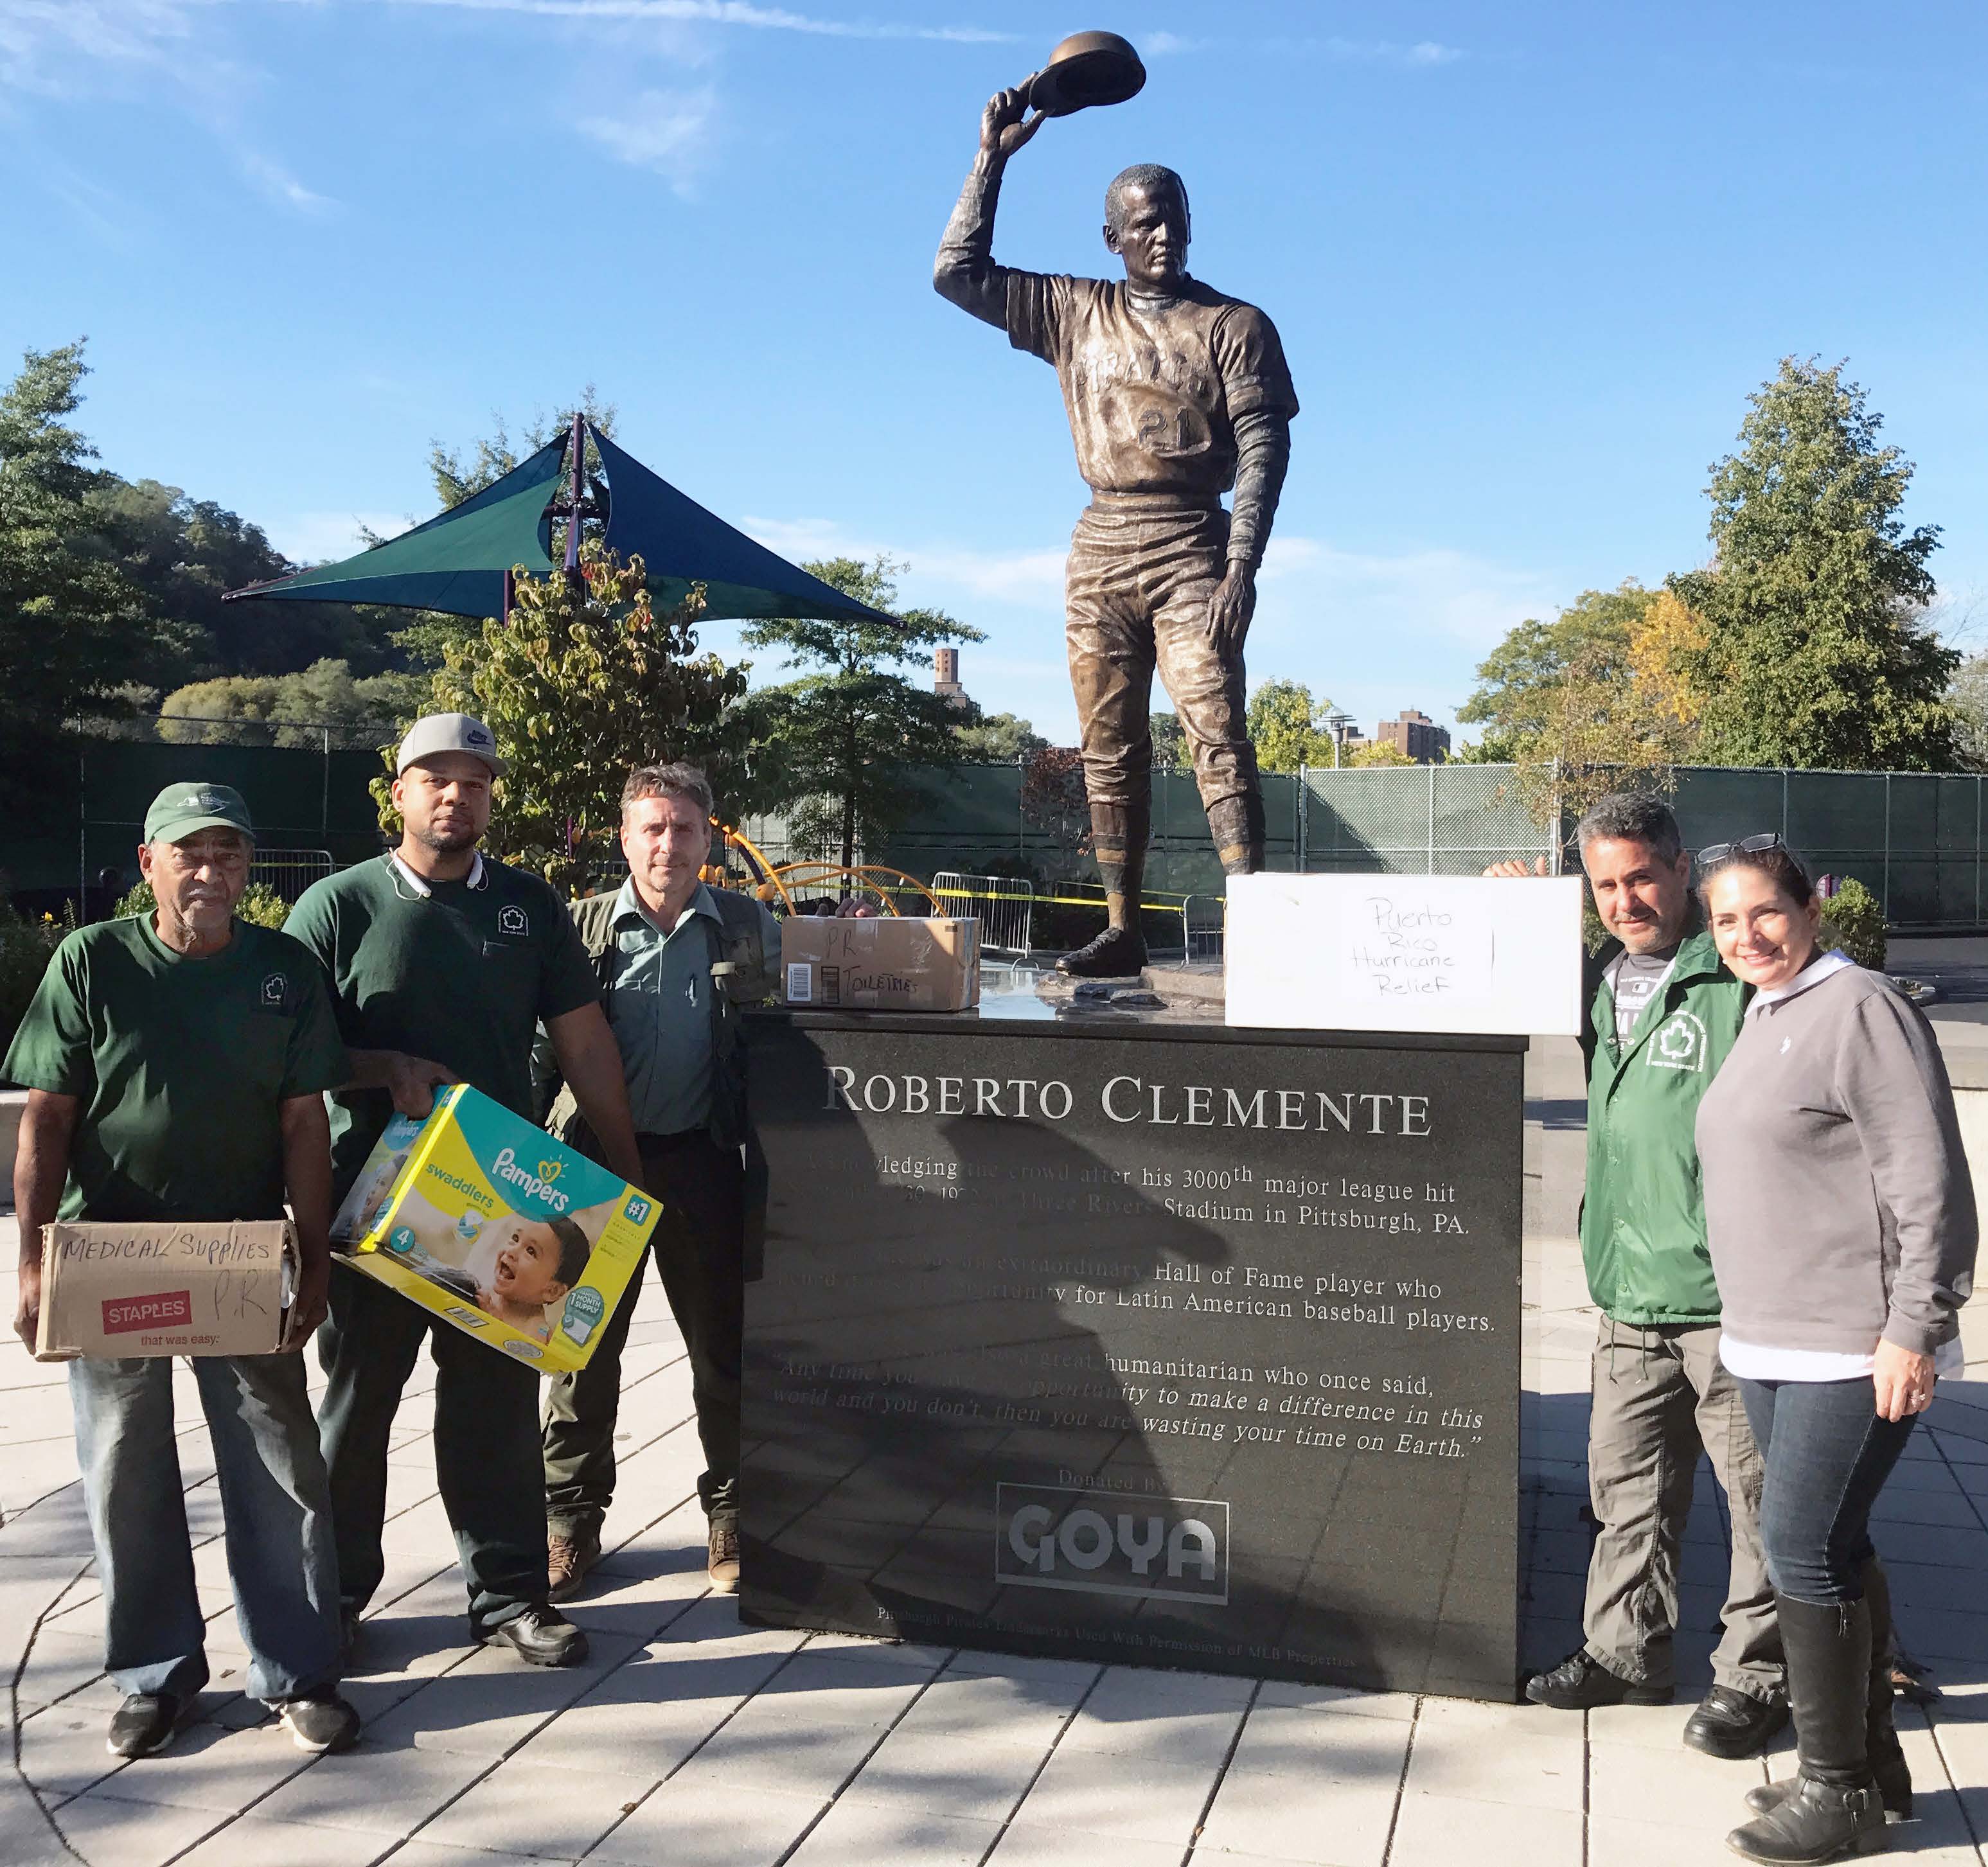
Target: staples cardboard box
[(889, 964), (490, 1223), (218, 1287)]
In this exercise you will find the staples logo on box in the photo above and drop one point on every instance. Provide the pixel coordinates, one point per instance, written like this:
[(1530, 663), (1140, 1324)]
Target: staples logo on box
[(170, 1310), (1100, 1543)]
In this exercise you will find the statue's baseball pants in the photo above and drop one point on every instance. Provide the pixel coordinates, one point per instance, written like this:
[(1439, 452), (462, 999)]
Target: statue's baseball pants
[(1142, 569)]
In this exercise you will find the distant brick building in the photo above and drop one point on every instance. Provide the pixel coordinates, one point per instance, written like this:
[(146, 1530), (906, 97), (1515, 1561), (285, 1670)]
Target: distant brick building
[(1415, 733), (945, 678)]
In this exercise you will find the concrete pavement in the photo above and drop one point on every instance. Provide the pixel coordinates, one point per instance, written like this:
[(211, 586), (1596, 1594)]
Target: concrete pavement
[(690, 1739)]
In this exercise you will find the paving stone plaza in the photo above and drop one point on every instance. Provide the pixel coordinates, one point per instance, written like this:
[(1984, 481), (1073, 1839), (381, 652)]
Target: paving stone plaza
[(689, 1738)]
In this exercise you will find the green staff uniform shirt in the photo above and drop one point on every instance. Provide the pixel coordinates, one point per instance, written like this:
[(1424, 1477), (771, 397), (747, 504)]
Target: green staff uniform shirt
[(182, 1065), (459, 973), (659, 1003)]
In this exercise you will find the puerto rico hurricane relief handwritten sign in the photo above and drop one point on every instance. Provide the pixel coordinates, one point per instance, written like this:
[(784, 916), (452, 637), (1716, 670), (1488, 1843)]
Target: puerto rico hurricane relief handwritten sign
[(1406, 953)]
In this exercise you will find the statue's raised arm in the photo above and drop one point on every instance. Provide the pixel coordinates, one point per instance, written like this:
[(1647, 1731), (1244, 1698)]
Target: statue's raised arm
[(965, 273)]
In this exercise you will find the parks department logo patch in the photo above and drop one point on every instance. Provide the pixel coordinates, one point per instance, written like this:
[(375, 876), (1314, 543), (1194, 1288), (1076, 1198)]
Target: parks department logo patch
[(512, 919), (275, 990), (1678, 1043)]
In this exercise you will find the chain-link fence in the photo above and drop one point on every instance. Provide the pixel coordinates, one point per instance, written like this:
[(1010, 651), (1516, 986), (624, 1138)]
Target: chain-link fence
[(1914, 839)]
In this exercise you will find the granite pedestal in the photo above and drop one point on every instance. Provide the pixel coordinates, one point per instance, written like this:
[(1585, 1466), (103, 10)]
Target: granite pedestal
[(1120, 1336)]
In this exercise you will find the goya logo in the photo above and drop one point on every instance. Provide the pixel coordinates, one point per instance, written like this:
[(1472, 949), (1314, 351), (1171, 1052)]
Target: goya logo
[(637, 1209), (539, 1185), (1678, 1043), (1098, 1542)]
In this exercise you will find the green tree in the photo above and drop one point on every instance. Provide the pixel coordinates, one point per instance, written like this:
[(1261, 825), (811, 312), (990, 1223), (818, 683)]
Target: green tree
[(1517, 699), (577, 689), (1287, 728), (74, 631), (843, 742), (182, 553), (1170, 747), (1967, 693), (294, 709), (1378, 752), (1815, 650), (1000, 738)]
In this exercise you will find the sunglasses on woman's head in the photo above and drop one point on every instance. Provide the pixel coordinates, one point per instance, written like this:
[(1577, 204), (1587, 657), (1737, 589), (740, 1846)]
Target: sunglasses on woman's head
[(1746, 846)]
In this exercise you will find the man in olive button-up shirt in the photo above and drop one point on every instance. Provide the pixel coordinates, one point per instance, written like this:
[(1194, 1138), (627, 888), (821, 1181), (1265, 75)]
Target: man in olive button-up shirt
[(654, 950)]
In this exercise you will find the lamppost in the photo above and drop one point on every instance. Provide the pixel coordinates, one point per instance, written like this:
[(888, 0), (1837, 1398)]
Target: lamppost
[(1335, 723)]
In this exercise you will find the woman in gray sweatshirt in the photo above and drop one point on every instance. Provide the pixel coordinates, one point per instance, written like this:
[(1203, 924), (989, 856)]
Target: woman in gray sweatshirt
[(1841, 1219)]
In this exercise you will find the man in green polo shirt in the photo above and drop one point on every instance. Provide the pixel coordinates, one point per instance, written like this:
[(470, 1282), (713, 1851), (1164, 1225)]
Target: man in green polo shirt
[(442, 965), (175, 1064)]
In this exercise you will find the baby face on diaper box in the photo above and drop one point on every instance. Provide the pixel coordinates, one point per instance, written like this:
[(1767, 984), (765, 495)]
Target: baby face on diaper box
[(495, 1227)]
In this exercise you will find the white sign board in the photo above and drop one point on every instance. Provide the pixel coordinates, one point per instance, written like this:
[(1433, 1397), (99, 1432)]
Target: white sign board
[(1405, 952)]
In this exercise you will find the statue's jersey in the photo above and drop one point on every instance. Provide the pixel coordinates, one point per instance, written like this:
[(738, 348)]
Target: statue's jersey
[(1153, 395)]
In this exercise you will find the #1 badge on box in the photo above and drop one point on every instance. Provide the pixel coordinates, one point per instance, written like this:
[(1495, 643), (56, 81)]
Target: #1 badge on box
[(1406, 953)]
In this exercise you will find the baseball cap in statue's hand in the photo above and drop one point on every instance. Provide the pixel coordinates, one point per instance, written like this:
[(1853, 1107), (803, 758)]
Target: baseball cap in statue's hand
[(181, 810), (449, 732), (1087, 69)]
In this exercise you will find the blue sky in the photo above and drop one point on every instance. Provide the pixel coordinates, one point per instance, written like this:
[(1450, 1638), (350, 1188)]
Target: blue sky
[(1527, 262)]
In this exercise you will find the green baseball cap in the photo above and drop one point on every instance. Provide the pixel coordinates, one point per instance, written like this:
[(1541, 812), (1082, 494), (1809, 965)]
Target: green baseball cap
[(181, 810)]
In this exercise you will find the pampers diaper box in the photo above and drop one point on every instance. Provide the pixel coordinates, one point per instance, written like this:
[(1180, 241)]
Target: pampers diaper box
[(495, 1227)]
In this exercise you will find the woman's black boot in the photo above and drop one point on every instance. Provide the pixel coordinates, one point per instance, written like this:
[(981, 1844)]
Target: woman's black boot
[(1886, 1755), (1833, 1810)]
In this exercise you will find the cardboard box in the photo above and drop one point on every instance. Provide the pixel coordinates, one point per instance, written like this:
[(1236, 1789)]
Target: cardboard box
[(490, 1224), (888, 964), (218, 1287)]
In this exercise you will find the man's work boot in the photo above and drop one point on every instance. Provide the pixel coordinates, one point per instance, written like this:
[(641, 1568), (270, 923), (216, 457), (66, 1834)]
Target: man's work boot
[(1889, 1770), (1581, 1682), (1734, 1724), (570, 1559), (721, 1563), (543, 1636), (1236, 823), (1832, 1808)]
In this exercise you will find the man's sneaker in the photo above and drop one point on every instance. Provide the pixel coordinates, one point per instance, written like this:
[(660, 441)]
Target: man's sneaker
[(722, 1565), (1731, 1725), (544, 1636), (145, 1724), (570, 1560), (319, 1722), (1581, 1682)]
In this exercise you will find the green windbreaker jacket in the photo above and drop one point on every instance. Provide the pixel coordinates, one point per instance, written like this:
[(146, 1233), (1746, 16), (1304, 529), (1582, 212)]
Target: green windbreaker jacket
[(1642, 1219)]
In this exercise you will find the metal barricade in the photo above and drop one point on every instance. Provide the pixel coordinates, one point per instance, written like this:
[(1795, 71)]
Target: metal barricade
[(1204, 917), (290, 872), (1005, 908)]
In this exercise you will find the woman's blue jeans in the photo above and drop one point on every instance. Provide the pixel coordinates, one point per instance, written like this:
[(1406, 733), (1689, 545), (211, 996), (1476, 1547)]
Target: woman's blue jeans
[(1828, 1453)]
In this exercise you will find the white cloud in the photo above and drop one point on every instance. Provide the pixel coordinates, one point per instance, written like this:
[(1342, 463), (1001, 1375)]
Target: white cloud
[(714, 13), (669, 132), (1422, 54), (280, 186)]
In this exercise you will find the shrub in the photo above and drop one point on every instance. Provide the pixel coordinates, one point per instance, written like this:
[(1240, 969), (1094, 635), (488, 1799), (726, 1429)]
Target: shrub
[(1852, 920), (24, 948)]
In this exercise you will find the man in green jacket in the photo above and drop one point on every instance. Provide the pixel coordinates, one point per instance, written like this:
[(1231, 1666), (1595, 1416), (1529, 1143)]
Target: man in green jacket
[(1662, 1014)]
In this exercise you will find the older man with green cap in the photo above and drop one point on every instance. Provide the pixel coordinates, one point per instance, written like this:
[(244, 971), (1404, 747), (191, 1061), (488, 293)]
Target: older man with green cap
[(443, 965), (175, 1064)]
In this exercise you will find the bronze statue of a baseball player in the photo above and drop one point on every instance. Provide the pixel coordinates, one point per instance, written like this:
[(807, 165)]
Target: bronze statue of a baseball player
[(1176, 394)]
